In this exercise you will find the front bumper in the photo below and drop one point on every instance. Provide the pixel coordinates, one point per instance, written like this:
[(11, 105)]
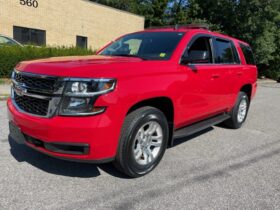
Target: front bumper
[(98, 135)]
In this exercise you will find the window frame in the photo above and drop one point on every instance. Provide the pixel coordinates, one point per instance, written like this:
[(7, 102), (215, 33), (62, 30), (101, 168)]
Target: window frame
[(212, 40), (250, 49), (44, 38), (86, 38), (191, 42), (234, 51)]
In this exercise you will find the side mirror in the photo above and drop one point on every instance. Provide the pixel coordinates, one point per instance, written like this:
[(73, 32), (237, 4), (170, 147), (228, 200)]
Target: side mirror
[(196, 56)]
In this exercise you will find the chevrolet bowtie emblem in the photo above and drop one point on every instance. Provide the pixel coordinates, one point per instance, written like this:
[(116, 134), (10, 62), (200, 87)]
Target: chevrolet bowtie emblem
[(20, 91)]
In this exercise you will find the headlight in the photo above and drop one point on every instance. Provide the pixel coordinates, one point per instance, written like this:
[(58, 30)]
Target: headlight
[(80, 95)]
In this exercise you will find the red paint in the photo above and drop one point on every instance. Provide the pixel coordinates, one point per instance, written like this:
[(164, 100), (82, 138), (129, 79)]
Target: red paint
[(196, 95)]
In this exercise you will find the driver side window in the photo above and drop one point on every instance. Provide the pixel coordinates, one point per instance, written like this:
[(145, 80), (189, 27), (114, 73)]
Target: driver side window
[(199, 52)]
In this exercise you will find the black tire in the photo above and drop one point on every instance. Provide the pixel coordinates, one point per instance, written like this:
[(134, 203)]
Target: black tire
[(125, 160), (233, 121)]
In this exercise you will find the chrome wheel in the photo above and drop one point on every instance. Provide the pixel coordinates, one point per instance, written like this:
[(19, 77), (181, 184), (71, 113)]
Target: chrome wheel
[(147, 143), (242, 110)]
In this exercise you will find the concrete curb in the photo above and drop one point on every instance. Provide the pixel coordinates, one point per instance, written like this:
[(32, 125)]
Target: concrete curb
[(266, 81)]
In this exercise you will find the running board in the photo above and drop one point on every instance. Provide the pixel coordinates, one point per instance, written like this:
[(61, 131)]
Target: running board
[(202, 125)]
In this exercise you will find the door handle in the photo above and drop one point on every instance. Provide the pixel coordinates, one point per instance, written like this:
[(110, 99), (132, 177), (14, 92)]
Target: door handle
[(215, 76)]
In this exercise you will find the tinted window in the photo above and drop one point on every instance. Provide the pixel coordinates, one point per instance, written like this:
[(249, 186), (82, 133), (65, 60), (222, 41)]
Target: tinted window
[(225, 52), (147, 45), (29, 36), (248, 54), (81, 42), (200, 51)]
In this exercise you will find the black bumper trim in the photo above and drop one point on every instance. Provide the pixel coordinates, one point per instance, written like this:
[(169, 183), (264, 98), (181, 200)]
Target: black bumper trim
[(101, 161), (58, 147)]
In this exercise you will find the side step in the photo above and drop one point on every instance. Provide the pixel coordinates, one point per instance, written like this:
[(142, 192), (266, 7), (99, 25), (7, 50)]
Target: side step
[(202, 125)]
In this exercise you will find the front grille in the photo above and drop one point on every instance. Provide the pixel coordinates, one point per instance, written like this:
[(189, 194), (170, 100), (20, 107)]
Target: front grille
[(36, 94), (36, 83), (32, 105)]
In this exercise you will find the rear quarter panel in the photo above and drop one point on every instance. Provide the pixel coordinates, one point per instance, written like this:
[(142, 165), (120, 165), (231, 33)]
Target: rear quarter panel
[(250, 72)]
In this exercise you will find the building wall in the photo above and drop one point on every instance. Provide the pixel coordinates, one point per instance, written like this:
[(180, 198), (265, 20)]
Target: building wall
[(63, 20)]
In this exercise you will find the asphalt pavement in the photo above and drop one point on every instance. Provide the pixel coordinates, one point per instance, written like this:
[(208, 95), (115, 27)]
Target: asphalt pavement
[(215, 169)]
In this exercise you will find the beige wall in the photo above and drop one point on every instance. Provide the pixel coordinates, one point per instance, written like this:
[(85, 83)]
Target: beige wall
[(63, 20)]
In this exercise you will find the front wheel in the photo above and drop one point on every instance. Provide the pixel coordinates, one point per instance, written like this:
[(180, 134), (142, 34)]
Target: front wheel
[(239, 112), (143, 141)]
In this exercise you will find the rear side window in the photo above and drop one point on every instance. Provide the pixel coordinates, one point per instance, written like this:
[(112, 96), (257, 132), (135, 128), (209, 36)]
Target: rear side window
[(248, 54), (225, 52)]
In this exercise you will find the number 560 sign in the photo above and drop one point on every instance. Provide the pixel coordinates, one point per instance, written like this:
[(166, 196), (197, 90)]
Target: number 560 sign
[(29, 3)]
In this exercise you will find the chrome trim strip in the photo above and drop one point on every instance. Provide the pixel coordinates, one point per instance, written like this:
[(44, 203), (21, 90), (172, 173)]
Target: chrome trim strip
[(47, 98), (25, 93), (85, 114)]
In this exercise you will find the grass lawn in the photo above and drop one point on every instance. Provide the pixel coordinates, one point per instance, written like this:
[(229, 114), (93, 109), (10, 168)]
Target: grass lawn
[(5, 81)]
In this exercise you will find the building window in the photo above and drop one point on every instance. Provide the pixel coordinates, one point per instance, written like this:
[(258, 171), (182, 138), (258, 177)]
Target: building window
[(30, 36), (81, 42)]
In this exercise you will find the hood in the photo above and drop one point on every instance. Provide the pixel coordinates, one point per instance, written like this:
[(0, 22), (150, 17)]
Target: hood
[(80, 66)]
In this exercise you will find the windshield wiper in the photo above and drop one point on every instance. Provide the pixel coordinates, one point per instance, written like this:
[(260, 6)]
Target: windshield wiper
[(127, 55)]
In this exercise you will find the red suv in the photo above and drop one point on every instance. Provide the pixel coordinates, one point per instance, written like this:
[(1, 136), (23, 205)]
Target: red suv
[(134, 98)]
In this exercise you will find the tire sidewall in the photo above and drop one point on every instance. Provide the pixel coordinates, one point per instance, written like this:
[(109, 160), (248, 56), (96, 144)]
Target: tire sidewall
[(241, 96), (148, 116)]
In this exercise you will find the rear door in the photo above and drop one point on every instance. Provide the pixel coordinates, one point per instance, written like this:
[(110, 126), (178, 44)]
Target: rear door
[(203, 90), (227, 64)]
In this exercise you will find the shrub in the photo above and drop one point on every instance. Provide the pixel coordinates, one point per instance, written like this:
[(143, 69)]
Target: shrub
[(11, 55), (273, 74), (272, 71)]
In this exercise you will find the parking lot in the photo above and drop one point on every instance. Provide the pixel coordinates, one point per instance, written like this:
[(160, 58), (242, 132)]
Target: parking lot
[(215, 169)]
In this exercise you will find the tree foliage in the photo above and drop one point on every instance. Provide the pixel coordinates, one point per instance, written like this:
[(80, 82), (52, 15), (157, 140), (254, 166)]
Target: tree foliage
[(254, 21)]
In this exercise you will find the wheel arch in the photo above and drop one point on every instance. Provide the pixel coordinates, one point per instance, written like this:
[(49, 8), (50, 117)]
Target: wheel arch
[(164, 104), (247, 88)]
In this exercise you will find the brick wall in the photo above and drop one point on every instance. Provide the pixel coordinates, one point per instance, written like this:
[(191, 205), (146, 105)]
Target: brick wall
[(63, 20)]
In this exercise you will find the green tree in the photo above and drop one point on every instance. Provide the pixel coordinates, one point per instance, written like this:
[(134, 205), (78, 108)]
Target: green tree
[(153, 10), (255, 21)]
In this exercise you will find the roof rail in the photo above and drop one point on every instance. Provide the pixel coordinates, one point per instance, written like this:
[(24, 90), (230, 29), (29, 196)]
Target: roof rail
[(176, 27)]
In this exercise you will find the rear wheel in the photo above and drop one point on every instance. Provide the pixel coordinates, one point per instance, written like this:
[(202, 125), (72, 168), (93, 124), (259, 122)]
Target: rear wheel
[(143, 141), (239, 112)]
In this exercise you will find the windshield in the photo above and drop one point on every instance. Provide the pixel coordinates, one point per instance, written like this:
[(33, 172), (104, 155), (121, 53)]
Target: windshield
[(146, 45), (6, 41)]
